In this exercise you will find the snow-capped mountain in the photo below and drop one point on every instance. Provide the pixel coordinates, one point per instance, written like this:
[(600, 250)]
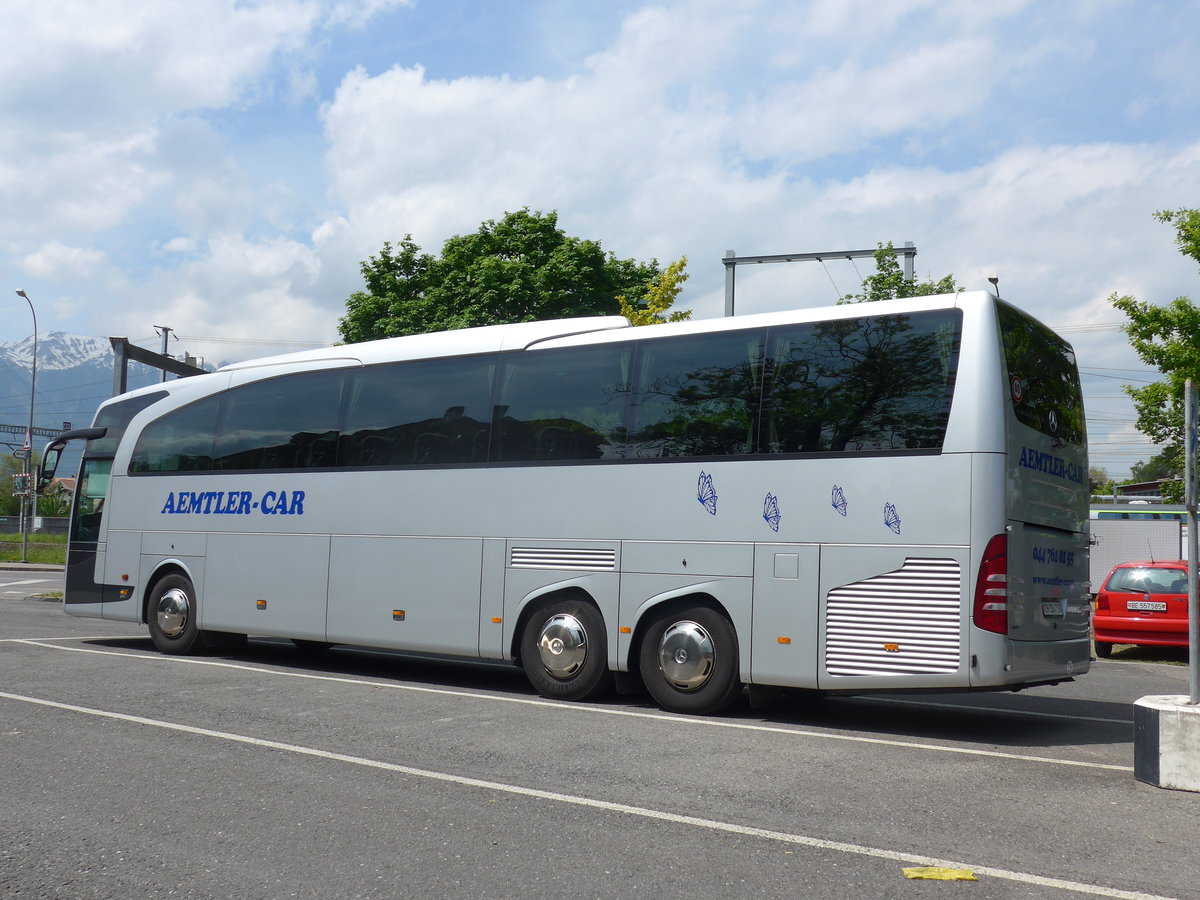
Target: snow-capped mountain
[(57, 350), (74, 376)]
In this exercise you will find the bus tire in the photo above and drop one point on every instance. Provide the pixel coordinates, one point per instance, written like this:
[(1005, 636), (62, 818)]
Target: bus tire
[(1103, 650), (564, 651), (172, 615), (689, 661)]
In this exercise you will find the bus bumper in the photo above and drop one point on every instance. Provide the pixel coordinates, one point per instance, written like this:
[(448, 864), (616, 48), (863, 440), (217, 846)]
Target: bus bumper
[(1037, 662)]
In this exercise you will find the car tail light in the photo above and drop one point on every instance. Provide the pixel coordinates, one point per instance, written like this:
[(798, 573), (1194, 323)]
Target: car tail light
[(991, 593), (1102, 601)]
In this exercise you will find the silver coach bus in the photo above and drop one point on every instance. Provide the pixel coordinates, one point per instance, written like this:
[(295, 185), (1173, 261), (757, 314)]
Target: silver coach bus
[(884, 496)]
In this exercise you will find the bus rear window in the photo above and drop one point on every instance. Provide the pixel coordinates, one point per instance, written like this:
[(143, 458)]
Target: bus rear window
[(1043, 381)]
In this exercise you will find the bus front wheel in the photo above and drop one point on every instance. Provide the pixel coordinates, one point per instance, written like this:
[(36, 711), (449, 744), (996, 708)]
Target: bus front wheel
[(689, 661), (564, 651), (171, 615)]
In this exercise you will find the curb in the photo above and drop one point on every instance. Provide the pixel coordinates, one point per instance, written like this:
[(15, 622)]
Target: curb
[(29, 567)]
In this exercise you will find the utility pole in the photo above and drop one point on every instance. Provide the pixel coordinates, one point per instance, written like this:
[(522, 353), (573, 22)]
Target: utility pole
[(165, 331)]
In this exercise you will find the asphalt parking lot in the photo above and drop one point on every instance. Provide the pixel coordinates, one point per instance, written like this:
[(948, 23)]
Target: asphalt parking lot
[(272, 773)]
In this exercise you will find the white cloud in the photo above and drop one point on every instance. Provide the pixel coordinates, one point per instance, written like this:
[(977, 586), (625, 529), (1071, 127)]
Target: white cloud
[(356, 13), (135, 192), (57, 260), (76, 62)]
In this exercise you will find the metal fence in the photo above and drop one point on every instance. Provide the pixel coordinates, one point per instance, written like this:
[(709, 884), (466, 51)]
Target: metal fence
[(41, 525)]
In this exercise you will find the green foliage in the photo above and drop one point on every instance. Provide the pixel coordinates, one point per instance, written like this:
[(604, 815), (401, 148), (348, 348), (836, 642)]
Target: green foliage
[(1168, 338), (1099, 481), (889, 282), (9, 466), (523, 268), (1167, 464), (11, 505), (659, 297), (1187, 229), (41, 548), (395, 296)]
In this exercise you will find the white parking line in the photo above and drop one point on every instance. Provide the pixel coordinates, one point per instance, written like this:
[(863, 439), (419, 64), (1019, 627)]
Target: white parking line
[(586, 708), (15, 583), (74, 637), (604, 805)]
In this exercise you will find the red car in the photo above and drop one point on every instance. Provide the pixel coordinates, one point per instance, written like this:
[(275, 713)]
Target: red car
[(1142, 602)]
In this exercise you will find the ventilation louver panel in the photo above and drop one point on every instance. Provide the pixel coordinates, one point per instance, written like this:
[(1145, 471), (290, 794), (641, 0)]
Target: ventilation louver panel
[(603, 560), (906, 622)]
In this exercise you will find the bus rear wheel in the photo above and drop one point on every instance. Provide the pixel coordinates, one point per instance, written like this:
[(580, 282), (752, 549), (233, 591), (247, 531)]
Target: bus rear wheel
[(689, 661), (564, 651), (171, 615)]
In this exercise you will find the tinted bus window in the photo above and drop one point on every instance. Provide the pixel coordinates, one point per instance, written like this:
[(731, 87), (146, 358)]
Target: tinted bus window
[(1042, 379), (181, 441), (562, 404), (697, 395), (116, 418), (419, 413), (281, 423), (856, 385), (88, 503)]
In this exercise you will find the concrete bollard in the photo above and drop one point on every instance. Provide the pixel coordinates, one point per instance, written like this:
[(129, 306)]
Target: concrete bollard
[(1166, 742)]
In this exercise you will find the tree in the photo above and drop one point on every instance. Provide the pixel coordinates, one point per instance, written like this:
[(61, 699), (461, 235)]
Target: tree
[(394, 301), (1099, 481), (1168, 338), (889, 282), (523, 268), (9, 466), (1168, 464), (659, 297)]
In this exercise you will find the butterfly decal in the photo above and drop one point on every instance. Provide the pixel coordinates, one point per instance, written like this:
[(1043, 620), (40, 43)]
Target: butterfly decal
[(706, 493), (891, 518), (771, 511), (839, 500)]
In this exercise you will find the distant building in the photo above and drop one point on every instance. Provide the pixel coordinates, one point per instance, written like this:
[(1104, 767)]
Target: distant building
[(1142, 489)]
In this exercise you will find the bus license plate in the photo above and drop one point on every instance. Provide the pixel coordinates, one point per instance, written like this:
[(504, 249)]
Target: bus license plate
[(1052, 609), (1147, 605)]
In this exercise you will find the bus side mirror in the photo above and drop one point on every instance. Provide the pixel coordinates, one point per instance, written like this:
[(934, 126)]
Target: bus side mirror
[(53, 452), (48, 466)]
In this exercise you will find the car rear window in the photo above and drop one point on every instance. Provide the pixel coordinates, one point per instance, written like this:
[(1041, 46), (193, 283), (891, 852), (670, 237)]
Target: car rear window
[(1148, 581)]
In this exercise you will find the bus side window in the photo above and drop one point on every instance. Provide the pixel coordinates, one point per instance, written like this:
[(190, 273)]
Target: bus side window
[(878, 383), (180, 441), (422, 413), (698, 395), (566, 404)]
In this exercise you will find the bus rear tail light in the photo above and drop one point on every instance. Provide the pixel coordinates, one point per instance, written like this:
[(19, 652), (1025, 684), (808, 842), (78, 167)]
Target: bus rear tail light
[(991, 594)]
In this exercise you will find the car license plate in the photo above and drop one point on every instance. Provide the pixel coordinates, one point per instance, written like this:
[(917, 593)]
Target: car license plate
[(1052, 609), (1147, 605)]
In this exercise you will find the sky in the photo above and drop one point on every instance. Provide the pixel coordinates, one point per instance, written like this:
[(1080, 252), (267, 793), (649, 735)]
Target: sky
[(222, 168)]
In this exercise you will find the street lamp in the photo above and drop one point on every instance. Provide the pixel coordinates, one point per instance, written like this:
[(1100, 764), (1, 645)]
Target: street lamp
[(31, 510)]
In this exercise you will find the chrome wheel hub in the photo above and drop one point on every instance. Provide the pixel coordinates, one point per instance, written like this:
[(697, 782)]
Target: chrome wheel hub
[(562, 646), (173, 612), (686, 655)]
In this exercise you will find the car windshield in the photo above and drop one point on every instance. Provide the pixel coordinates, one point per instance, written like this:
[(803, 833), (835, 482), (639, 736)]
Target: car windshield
[(1148, 581)]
